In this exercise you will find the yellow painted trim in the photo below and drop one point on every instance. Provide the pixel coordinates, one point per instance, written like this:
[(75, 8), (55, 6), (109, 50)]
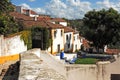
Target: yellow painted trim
[(4, 59), (54, 53)]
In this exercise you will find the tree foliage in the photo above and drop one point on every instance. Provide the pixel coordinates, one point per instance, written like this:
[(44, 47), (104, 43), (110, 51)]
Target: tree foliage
[(26, 37), (6, 6), (102, 27), (8, 25)]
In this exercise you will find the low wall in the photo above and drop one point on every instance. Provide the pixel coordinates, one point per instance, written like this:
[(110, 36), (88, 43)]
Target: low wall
[(14, 45), (81, 72), (100, 71), (5, 59), (10, 47)]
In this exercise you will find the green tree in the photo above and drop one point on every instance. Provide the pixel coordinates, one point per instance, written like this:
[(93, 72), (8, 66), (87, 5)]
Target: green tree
[(8, 25), (6, 6), (101, 27)]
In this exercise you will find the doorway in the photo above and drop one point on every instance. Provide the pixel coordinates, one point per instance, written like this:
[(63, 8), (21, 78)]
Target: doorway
[(58, 48), (115, 76)]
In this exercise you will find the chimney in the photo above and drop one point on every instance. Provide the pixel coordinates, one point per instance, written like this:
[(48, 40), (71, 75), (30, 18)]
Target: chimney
[(35, 18)]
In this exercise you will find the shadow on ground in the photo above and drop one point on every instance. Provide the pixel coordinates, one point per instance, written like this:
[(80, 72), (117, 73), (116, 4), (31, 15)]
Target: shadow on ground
[(12, 73)]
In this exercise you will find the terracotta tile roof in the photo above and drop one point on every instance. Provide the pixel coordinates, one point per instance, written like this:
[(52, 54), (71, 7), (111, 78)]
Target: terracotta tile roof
[(20, 16), (43, 17), (112, 51), (85, 43), (54, 26), (33, 12), (68, 29), (29, 24), (76, 32), (58, 20)]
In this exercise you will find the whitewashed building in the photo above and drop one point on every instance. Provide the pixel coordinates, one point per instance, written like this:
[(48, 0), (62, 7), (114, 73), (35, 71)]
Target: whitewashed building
[(68, 34), (77, 42), (57, 37), (27, 12)]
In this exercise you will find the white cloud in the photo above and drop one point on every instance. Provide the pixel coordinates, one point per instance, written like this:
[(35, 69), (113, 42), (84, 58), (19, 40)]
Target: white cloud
[(25, 6), (56, 8), (39, 10), (31, 0), (70, 9), (107, 4)]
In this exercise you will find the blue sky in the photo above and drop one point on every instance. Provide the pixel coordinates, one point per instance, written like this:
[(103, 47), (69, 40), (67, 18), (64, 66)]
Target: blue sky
[(70, 9)]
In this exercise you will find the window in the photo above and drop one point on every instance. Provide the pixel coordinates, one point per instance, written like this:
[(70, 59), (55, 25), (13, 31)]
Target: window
[(77, 36), (70, 36), (56, 22), (55, 33), (69, 45), (61, 32), (66, 37), (80, 39), (74, 38), (76, 47)]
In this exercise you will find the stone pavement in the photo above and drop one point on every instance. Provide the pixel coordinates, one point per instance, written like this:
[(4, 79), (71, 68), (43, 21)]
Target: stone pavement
[(34, 68)]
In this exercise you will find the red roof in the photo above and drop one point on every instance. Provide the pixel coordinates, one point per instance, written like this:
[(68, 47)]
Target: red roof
[(43, 18), (68, 29), (20, 16), (29, 24), (58, 20), (112, 51), (85, 43)]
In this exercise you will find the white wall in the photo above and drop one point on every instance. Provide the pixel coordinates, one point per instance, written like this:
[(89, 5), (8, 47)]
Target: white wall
[(59, 40), (32, 15), (69, 41), (12, 45), (1, 44), (77, 42), (63, 23)]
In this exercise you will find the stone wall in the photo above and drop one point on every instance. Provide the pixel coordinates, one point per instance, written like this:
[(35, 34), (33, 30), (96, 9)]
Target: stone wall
[(81, 72), (100, 71), (11, 45)]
